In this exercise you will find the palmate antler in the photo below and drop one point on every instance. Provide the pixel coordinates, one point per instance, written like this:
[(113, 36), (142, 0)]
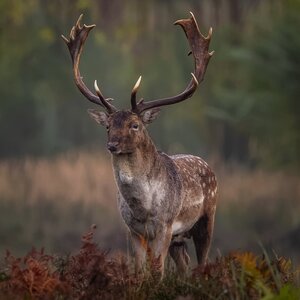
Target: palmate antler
[(199, 49), (78, 35)]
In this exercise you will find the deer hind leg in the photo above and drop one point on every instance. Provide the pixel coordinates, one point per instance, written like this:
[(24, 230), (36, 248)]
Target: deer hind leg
[(202, 235), (178, 252)]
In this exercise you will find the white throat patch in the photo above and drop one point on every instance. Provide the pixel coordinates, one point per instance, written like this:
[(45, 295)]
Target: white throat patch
[(125, 176)]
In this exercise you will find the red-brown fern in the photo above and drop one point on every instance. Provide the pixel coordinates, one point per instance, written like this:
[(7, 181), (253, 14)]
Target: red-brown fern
[(92, 274), (32, 275)]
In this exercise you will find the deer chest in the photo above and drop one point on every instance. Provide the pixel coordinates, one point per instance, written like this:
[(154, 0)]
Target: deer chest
[(139, 192)]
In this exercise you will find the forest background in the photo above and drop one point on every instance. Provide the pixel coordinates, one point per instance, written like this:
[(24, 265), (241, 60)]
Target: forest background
[(55, 174)]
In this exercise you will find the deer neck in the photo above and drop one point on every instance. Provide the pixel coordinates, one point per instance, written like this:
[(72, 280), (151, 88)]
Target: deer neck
[(138, 165)]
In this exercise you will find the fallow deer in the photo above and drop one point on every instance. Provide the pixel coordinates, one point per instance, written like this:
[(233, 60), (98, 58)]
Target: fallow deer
[(163, 199)]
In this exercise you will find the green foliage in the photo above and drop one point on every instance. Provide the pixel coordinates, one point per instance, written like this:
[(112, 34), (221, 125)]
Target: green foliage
[(273, 88), (255, 96), (247, 109), (287, 292)]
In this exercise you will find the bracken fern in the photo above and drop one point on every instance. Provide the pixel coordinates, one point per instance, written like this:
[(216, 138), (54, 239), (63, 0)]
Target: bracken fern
[(93, 274)]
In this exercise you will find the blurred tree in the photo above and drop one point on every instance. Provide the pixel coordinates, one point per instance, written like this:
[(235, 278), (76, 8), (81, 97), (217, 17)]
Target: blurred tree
[(246, 110), (256, 98)]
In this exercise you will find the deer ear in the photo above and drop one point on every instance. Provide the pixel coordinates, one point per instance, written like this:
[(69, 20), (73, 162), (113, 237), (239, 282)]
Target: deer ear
[(150, 115), (99, 116)]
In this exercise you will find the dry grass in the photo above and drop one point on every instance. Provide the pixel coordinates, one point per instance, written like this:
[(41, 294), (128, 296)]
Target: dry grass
[(85, 176), (50, 201), (70, 177), (241, 185)]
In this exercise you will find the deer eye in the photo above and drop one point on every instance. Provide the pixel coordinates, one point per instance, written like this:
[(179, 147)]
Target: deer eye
[(135, 126)]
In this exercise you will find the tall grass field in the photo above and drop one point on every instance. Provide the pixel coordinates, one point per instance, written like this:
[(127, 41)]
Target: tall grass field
[(49, 203)]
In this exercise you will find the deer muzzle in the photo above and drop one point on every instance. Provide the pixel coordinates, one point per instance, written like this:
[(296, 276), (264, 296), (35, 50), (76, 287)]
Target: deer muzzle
[(112, 146)]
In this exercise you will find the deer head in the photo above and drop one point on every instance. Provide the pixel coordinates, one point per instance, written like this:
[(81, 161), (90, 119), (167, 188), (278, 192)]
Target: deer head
[(126, 128)]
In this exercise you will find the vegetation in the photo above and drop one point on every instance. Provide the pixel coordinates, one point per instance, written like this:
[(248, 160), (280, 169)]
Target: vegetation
[(50, 202), (55, 181), (92, 274)]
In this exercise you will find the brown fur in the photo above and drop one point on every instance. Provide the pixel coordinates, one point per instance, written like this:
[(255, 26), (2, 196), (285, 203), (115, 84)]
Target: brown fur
[(162, 199)]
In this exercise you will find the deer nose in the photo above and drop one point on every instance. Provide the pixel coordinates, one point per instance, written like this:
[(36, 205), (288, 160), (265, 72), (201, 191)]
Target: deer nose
[(112, 146)]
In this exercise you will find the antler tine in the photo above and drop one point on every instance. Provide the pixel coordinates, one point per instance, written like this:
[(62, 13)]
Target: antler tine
[(199, 48), (134, 92), (75, 43), (110, 108)]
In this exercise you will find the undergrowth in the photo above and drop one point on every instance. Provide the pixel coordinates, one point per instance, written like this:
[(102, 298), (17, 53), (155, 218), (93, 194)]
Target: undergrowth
[(93, 274)]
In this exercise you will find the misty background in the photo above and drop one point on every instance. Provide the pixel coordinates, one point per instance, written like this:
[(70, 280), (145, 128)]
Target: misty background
[(244, 119)]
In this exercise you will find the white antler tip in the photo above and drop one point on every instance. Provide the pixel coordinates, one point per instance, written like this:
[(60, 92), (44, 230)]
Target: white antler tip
[(195, 79), (96, 85), (137, 84), (78, 21), (64, 38), (97, 88), (209, 34)]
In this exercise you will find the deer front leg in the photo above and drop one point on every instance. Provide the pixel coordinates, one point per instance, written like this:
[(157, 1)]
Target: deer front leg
[(152, 253), (158, 250), (140, 247)]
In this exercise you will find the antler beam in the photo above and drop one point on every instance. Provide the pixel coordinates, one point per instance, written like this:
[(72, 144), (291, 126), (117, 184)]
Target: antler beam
[(75, 43), (199, 48)]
